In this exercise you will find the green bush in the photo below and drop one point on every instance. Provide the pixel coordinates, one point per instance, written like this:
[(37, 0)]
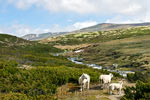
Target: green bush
[(19, 96), (140, 92), (14, 96), (41, 80), (142, 76)]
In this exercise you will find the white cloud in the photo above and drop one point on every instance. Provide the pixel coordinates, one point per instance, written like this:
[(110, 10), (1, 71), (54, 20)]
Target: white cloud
[(1, 31), (86, 6), (79, 6), (79, 25), (58, 28), (121, 11), (132, 9), (97, 7), (75, 26), (21, 29), (121, 20), (126, 7), (130, 19)]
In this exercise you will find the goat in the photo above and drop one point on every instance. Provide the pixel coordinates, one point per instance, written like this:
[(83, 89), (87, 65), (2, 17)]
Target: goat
[(116, 86), (84, 81), (105, 79)]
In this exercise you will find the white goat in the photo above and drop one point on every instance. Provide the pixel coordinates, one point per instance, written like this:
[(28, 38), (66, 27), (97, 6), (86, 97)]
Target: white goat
[(116, 86), (105, 79), (84, 81)]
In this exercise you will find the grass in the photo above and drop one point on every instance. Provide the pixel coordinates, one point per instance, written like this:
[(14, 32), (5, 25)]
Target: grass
[(94, 37), (46, 72), (126, 47), (123, 52)]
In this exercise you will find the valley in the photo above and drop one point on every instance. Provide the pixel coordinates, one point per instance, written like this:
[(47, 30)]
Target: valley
[(74, 49), (129, 48), (49, 69)]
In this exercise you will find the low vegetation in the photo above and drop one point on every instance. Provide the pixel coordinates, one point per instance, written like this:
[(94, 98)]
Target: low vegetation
[(140, 92), (30, 53), (40, 81), (127, 47), (43, 72), (97, 37), (139, 76)]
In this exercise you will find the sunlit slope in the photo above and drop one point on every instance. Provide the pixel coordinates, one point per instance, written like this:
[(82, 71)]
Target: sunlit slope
[(29, 71), (127, 47), (129, 52), (29, 53), (8, 40), (97, 37)]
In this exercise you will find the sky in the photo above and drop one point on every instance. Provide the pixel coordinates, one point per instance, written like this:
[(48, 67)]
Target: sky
[(21, 17)]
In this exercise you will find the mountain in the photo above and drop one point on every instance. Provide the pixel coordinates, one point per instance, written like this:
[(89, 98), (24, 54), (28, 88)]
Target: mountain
[(42, 36), (110, 26), (99, 27), (10, 41)]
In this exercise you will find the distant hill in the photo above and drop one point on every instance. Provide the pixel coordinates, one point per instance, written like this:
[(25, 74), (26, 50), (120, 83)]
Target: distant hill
[(42, 35), (9, 40), (27, 52), (127, 47), (110, 26), (99, 27)]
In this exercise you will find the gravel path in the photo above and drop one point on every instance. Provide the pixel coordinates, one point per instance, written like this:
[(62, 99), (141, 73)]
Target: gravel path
[(71, 92)]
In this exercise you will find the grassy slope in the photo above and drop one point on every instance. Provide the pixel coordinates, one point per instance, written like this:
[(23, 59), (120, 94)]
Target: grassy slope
[(127, 47), (29, 53), (98, 37), (129, 52), (46, 73), (8, 40)]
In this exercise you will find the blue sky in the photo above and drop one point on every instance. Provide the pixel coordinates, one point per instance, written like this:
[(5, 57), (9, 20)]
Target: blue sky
[(20, 17)]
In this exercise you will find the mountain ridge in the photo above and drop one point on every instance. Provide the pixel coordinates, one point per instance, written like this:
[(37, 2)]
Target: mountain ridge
[(110, 26), (98, 27), (42, 35)]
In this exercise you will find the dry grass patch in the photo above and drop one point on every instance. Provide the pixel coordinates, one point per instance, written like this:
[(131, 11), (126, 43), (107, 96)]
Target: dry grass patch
[(132, 51), (126, 40), (49, 40), (72, 47), (71, 92)]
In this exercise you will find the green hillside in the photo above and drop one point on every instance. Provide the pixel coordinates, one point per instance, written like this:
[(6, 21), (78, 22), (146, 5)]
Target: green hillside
[(8, 40), (26, 52), (129, 48), (126, 47), (98, 37), (29, 71)]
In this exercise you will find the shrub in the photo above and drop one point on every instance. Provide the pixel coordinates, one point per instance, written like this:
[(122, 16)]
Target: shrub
[(41, 80), (140, 92), (142, 76), (19, 96)]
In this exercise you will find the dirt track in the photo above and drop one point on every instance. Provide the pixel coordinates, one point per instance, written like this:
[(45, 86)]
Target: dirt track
[(71, 92)]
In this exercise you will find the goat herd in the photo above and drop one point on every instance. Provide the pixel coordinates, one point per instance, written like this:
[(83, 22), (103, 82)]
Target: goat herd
[(105, 81)]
